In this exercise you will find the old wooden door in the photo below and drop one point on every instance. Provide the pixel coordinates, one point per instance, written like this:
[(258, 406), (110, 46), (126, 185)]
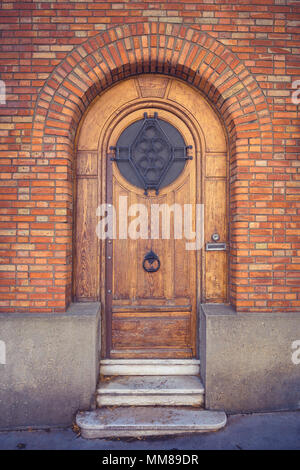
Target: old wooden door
[(151, 302), (146, 122)]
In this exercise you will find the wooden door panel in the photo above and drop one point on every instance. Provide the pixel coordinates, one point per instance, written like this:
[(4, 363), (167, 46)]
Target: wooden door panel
[(215, 221), (149, 331), (215, 166), (216, 276), (165, 301), (216, 207), (173, 284), (86, 263), (184, 260)]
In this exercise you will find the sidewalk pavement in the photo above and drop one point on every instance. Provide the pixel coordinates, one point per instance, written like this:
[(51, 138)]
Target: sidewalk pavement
[(268, 431)]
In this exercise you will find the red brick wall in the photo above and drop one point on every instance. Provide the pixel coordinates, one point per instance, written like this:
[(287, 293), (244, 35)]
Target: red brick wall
[(57, 56)]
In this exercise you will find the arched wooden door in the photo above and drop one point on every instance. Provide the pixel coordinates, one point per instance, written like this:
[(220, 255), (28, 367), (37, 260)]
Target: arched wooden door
[(152, 150)]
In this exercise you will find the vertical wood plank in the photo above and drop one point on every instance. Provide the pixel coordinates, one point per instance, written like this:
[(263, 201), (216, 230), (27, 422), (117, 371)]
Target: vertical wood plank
[(86, 241), (216, 221)]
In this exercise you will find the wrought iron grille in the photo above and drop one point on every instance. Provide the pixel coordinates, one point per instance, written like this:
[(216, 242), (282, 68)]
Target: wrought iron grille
[(151, 153)]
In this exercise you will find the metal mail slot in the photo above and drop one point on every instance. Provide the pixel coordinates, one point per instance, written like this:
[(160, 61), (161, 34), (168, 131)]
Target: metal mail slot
[(215, 246)]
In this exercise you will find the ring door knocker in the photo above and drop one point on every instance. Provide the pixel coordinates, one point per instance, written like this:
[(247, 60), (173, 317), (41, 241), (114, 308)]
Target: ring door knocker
[(151, 262)]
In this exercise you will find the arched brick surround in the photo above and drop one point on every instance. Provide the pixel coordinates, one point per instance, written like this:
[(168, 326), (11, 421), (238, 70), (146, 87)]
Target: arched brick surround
[(176, 50)]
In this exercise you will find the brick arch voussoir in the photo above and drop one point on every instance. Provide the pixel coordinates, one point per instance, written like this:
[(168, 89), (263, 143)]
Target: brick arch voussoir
[(128, 50)]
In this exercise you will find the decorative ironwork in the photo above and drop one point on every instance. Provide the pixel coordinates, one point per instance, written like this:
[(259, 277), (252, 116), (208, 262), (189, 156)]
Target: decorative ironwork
[(151, 153), (151, 262)]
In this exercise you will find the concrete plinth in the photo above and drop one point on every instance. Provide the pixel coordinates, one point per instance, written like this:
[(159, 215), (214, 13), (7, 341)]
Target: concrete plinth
[(248, 360), (51, 366)]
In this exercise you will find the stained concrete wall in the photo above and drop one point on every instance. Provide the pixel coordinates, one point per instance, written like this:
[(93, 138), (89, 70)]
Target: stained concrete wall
[(50, 366), (250, 361)]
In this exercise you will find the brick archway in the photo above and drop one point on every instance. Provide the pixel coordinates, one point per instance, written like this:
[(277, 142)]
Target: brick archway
[(175, 50)]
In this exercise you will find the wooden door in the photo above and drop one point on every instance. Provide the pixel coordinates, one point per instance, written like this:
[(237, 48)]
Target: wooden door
[(150, 314)]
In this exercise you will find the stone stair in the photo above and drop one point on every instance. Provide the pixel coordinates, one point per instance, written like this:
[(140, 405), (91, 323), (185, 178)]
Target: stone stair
[(145, 397), (141, 421), (149, 367), (172, 390)]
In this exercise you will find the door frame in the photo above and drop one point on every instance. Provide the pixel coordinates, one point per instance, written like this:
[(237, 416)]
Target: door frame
[(104, 144), (198, 153)]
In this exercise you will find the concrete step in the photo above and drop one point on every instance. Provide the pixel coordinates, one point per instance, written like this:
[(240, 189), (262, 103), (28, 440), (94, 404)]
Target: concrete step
[(149, 367), (143, 421), (146, 390)]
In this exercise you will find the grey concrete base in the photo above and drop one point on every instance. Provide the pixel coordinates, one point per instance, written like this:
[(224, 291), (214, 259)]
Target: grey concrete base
[(51, 366), (151, 390), (149, 367), (248, 360), (147, 421)]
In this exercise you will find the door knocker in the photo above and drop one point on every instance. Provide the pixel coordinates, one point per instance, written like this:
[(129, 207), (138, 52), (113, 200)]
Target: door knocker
[(151, 262)]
